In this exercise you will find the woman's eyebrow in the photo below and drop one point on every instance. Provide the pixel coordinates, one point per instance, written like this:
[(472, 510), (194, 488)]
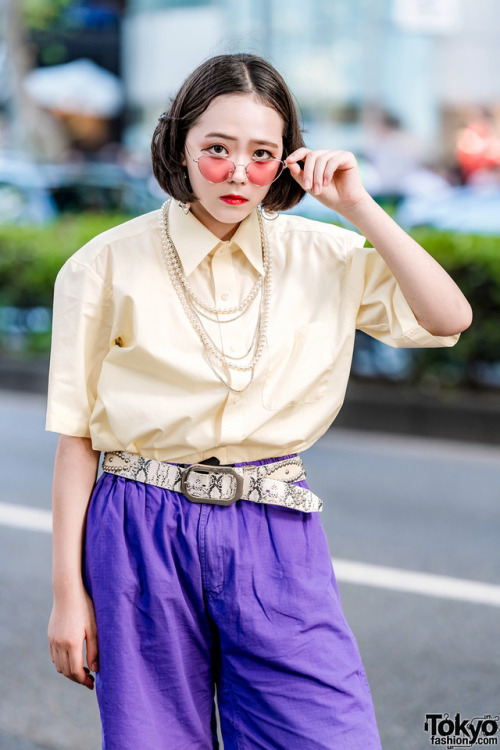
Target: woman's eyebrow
[(227, 137)]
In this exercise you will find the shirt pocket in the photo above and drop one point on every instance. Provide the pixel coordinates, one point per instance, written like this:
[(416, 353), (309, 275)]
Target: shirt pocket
[(300, 366)]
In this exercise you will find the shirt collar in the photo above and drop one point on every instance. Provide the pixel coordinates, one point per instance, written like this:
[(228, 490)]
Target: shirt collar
[(194, 241)]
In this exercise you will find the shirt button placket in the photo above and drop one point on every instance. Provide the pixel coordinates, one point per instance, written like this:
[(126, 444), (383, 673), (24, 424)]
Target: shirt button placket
[(223, 276)]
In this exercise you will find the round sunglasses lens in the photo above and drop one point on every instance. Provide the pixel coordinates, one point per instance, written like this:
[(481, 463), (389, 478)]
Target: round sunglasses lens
[(215, 168), (264, 172)]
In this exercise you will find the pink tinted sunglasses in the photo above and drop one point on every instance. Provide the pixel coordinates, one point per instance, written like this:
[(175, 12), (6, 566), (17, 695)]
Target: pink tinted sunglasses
[(217, 169)]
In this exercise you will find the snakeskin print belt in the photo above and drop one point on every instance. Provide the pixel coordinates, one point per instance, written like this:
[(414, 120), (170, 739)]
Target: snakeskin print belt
[(220, 485)]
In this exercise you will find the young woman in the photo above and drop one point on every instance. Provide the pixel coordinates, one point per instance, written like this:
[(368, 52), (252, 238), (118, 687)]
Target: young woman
[(202, 347)]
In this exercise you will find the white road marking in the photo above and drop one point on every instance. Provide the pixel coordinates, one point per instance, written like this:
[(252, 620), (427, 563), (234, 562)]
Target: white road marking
[(428, 584), (348, 571), (24, 517)]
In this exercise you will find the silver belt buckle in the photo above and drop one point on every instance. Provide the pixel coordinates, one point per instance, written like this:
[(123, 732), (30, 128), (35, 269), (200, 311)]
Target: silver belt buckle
[(207, 469)]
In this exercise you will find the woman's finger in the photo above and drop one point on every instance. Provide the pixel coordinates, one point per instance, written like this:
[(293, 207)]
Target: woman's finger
[(309, 163), (296, 170), (51, 653), (89, 679), (319, 171), (330, 170), (56, 661), (92, 651), (62, 661), (297, 155), (309, 167), (297, 173), (342, 160), (334, 161), (69, 662), (77, 672), (319, 166)]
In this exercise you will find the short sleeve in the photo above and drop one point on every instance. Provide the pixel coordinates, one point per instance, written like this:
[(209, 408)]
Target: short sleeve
[(81, 328), (383, 311)]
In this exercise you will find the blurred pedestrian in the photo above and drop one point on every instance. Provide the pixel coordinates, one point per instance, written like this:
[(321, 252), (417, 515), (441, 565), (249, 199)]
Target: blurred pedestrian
[(478, 149), (202, 347), (394, 153)]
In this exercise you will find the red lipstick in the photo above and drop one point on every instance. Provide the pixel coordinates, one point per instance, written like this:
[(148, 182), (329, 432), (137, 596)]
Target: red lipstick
[(234, 200)]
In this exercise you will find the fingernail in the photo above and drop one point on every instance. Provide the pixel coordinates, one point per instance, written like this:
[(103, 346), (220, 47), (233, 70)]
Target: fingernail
[(95, 666), (316, 188), (307, 184)]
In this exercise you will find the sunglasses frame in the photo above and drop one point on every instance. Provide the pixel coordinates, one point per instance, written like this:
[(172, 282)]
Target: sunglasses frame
[(226, 158)]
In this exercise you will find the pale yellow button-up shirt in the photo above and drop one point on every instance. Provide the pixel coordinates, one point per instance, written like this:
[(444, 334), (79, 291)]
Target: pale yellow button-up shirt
[(129, 371)]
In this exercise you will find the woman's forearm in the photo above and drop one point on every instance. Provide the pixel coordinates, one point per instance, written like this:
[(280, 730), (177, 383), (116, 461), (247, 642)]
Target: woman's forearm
[(437, 302), (75, 472)]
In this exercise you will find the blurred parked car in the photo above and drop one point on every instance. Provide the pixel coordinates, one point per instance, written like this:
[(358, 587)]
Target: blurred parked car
[(32, 193), (474, 210), (97, 186), (24, 197)]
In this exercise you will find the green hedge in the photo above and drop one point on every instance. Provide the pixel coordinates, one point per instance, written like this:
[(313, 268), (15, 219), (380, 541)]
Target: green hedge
[(30, 258), (474, 263)]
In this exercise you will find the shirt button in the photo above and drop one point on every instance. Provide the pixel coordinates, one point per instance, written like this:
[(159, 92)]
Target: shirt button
[(224, 296)]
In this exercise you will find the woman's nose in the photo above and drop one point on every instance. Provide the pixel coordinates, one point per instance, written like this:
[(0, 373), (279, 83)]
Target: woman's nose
[(239, 174)]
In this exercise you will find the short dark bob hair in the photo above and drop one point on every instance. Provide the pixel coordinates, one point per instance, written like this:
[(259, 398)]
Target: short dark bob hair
[(225, 74)]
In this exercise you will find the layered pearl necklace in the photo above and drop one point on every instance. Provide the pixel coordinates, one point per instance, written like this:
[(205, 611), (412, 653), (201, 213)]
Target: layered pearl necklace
[(194, 306)]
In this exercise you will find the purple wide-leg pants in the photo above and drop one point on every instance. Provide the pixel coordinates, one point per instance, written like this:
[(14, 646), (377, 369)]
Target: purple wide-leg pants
[(244, 597)]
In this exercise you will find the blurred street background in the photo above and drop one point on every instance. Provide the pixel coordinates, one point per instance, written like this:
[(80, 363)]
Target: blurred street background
[(412, 471)]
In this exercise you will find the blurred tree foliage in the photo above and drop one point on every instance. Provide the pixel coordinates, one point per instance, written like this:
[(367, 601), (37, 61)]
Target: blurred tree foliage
[(42, 15)]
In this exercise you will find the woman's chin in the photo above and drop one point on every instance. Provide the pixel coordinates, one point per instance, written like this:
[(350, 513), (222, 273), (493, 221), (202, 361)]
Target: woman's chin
[(221, 211)]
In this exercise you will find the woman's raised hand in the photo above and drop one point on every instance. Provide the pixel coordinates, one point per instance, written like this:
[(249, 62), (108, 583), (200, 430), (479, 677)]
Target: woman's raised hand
[(330, 176), (71, 623)]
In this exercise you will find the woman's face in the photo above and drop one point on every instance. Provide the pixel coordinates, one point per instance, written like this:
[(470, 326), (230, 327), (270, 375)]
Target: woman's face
[(242, 128)]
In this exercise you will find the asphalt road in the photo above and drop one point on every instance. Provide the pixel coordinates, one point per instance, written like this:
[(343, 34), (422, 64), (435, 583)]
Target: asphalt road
[(411, 504)]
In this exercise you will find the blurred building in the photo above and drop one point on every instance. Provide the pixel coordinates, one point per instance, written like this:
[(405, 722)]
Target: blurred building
[(353, 65), (39, 38), (426, 62)]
